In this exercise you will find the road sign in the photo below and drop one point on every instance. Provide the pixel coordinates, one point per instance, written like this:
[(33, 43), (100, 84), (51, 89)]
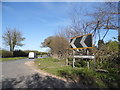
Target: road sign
[(81, 42), (84, 56)]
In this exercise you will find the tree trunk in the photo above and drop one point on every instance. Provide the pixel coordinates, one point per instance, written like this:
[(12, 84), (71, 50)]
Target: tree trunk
[(11, 48)]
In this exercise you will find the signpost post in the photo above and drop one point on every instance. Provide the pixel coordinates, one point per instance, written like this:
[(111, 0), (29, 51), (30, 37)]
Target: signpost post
[(81, 42)]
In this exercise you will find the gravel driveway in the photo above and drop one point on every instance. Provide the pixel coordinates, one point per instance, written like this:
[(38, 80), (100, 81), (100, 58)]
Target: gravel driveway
[(15, 74)]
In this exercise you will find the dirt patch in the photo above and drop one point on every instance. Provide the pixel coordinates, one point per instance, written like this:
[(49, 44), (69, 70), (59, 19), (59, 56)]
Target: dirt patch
[(33, 66)]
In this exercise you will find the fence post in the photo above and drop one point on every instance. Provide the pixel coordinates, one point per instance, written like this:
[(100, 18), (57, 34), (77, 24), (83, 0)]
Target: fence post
[(73, 62), (88, 64), (73, 59)]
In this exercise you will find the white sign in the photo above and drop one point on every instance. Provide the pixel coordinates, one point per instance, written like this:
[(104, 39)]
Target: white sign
[(84, 56)]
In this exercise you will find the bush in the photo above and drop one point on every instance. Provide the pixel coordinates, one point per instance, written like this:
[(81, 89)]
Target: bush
[(70, 61), (80, 75), (6, 53), (0, 53), (80, 63), (37, 52), (19, 53), (90, 77)]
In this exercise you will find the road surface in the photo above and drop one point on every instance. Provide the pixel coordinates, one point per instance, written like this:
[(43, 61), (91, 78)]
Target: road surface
[(15, 74)]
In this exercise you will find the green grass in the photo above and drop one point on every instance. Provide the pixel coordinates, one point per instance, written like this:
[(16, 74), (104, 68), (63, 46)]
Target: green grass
[(82, 75), (50, 65), (12, 58)]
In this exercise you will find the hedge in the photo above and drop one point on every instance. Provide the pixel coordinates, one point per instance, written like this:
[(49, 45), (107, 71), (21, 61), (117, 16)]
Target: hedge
[(6, 53)]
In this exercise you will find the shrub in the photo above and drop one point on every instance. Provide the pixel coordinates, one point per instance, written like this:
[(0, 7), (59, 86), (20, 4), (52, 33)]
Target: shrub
[(80, 63), (0, 53), (6, 53), (90, 78), (19, 53), (79, 74), (70, 61), (37, 52)]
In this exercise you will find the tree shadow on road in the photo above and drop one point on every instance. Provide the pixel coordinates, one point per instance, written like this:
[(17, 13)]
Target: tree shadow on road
[(37, 81)]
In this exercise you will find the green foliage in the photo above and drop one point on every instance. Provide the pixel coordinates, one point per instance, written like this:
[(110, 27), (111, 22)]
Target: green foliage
[(37, 52), (19, 53), (13, 38), (112, 46), (50, 65), (90, 77), (12, 58), (82, 75), (80, 63), (107, 55), (6, 53), (70, 59)]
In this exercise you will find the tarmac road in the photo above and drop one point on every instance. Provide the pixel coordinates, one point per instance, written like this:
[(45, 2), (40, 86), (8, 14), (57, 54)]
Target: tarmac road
[(15, 74), (14, 69)]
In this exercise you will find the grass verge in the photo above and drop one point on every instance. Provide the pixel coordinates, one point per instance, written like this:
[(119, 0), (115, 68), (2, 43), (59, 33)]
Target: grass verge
[(50, 65), (12, 58), (85, 76)]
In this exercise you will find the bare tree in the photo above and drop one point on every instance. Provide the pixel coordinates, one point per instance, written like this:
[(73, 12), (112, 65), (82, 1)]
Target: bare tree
[(104, 19), (58, 45), (13, 38), (115, 10), (79, 26)]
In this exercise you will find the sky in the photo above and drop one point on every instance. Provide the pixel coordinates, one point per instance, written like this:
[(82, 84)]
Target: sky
[(60, 0), (38, 20)]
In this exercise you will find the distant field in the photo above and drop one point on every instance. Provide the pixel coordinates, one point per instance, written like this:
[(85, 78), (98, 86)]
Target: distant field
[(12, 58)]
